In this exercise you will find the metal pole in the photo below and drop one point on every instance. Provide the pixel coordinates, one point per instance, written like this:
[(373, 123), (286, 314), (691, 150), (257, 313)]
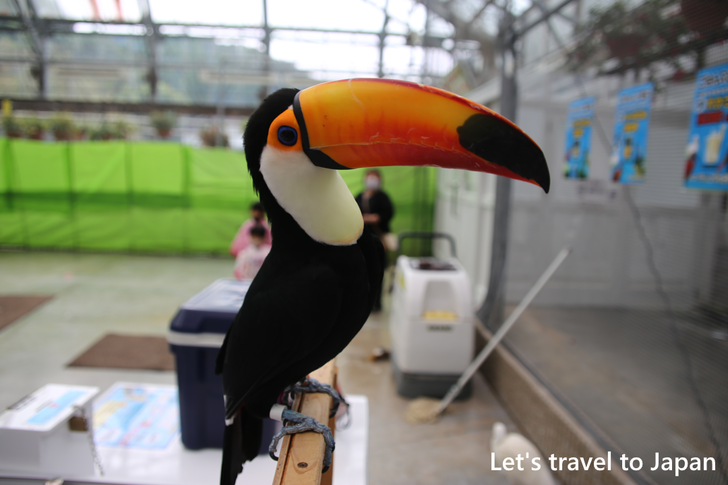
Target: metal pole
[(383, 39), (498, 336), (545, 16), (37, 43), (425, 67), (492, 309), (220, 104), (265, 88), (150, 41)]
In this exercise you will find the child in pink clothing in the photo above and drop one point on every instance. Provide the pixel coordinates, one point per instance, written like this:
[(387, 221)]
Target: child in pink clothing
[(249, 260), (242, 238)]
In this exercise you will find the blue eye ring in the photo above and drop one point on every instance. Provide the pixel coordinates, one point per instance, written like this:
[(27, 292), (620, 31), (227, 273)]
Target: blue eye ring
[(287, 135)]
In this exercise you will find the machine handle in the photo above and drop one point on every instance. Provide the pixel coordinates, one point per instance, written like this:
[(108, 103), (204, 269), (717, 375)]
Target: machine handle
[(485, 352)]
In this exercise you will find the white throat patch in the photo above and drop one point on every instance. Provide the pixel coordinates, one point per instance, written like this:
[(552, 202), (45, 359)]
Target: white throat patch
[(317, 198)]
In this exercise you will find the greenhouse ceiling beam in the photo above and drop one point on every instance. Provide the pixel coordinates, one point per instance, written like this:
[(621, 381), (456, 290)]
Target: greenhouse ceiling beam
[(486, 4), (123, 107), (28, 23), (62, 25), (37, 43), (544, 16), (66, 26), (544, 8), (552, 29), (272, 78), (462, 27), (150, 41), (266, 43), (383, 39), (463, 31)]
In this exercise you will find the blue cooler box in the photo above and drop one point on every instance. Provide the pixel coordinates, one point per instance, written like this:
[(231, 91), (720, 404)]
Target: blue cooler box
[(195, 337)]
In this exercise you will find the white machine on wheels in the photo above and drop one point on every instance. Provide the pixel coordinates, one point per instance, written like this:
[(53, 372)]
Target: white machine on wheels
[(431, 323)]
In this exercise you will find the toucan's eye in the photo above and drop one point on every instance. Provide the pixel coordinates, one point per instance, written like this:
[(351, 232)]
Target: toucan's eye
[(287, 135)]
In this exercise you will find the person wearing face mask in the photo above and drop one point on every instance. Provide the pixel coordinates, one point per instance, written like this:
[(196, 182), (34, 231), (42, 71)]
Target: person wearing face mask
[(242, 238), (377, 210)]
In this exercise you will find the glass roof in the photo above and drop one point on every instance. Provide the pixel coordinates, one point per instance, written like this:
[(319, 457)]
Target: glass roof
[(358, 15), (336, 53), (204, 43), (320, 14)]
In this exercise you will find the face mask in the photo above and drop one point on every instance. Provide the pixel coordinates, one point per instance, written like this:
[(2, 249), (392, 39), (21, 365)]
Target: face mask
[(372, 183)]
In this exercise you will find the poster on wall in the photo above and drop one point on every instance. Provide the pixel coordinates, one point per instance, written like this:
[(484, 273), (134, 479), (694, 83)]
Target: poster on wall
[(578, 138), (631, 126), (706, 153)]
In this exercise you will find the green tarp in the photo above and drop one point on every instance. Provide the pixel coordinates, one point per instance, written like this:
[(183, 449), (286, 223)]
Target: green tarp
[(99, 169), (152, 197)]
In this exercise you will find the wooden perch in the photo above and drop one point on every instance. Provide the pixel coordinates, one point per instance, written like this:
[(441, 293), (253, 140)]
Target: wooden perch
[(301, 458)]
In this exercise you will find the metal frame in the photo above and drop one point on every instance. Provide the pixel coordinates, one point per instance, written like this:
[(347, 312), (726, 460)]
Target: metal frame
[(119, 107), (37, 43), (39, 29), (151, 39)]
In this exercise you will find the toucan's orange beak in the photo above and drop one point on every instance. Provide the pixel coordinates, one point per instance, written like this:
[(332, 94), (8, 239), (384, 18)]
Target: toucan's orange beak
[(360, 123)]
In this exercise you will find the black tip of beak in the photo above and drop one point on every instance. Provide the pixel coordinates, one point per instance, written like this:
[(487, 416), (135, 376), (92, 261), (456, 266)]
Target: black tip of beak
[(504, 144)]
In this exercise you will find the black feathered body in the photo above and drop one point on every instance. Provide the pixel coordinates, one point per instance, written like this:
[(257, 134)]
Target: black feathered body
[(304, 306)]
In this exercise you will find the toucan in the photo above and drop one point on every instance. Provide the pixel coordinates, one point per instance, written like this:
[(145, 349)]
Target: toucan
[(317, 286)]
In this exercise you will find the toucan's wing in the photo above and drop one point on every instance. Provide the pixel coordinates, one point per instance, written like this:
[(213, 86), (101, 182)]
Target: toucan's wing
[(283, 319), (376, 260)]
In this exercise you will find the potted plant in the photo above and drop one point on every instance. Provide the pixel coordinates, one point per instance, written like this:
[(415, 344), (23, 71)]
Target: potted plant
[(80, 132), (623, 38), (163, 122), (62, 127), (120, 130), (211, 136), (103, 132), (636, 37), (34, 128), (704, 16), (12, 126)]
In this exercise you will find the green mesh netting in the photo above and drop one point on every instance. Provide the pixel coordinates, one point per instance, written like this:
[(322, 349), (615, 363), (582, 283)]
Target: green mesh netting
[(152, 197)]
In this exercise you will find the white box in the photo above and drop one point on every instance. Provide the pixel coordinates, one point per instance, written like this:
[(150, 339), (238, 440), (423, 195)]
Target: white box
[(35, 432)]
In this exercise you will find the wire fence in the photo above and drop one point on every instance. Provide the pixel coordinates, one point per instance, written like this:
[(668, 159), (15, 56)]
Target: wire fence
[(629, 105)]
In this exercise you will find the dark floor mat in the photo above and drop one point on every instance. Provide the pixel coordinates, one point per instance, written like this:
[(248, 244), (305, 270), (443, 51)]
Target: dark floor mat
[(13, 307), (115, 351)]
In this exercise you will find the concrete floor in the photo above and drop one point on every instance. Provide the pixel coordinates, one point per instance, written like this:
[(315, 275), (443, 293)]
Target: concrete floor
[(98, 293)]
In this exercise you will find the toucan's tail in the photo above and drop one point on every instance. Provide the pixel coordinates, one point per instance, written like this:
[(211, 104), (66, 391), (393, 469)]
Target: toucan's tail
[(241, 443)]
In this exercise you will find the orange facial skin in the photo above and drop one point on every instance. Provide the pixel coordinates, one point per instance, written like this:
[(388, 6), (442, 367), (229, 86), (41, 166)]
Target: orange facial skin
[(287, 118)]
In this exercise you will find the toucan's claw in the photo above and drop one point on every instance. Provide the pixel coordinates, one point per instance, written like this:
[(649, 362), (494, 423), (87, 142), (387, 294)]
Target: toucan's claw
[(312, 385), (343, 420), (301, 424)]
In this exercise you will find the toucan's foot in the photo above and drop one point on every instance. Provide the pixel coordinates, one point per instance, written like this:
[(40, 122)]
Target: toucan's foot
[(343, 415), (303, 423), (312, 385)]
